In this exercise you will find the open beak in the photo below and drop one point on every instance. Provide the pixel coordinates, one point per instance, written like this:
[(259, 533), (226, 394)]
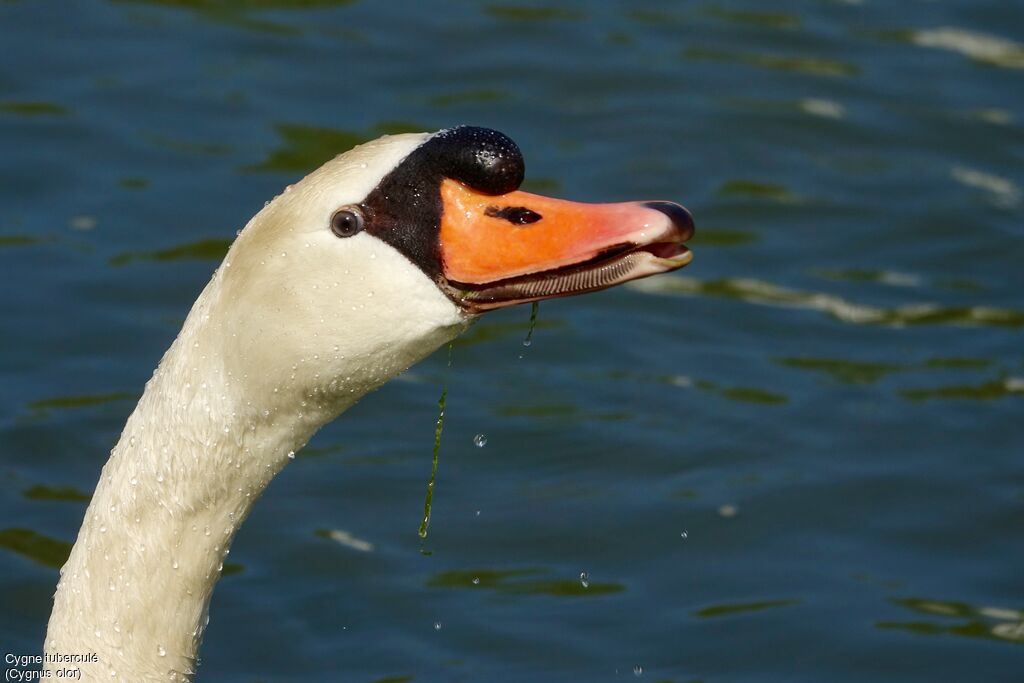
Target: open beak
[(519, 247)]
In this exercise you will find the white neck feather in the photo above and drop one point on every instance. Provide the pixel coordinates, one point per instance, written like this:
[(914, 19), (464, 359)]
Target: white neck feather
[(281, 341), (191, 461)]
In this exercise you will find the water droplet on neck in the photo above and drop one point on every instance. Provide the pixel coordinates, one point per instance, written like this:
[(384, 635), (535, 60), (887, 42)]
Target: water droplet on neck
[(161, 651)]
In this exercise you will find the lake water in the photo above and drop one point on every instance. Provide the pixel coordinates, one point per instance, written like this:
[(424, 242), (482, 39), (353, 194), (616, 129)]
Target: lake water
[(799, 459)]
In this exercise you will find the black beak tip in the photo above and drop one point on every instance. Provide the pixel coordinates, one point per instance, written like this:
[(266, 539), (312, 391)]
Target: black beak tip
[(682, 218)]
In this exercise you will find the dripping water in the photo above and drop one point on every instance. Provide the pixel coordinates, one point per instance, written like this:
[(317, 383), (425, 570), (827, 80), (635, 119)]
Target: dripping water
[(533, 323), (437, 448)]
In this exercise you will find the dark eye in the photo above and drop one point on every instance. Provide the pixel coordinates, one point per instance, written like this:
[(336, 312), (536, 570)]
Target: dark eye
[(346, 222)]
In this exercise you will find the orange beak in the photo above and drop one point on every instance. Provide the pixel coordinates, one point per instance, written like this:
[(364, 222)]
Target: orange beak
[(518, 247)]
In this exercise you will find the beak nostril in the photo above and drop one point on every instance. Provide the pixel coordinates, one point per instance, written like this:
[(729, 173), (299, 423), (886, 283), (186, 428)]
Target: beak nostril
[(516, 215), (679, 215)]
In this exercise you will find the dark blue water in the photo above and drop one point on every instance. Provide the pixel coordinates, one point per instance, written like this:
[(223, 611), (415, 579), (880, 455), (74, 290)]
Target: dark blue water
[(799, 459)]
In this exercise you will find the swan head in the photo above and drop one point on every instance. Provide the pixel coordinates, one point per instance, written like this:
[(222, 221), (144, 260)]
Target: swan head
[(389, 250)]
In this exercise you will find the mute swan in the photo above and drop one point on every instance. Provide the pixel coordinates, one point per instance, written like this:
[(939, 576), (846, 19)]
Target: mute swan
[(350, 276)]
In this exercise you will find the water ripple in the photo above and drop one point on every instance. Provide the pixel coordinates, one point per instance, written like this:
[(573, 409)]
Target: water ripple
[(766, 293), (975, 45)]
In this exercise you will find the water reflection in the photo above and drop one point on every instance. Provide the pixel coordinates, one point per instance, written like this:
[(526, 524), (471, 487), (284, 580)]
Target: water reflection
[(244, 5), (754, 17), (844, 371), (975, 45), (815, 66), (203, 250), (64, 493), (526, 581), (560, 412), (41, 549), (813, 106), (346, 539), (753, 188), (761, 292), (865, 372), (481, 96), (1002, 192), (304, 148), (525, 14), (187, 147), (21, 240), (986, 391), (66, 402), (240, 13), (885, 277), (724, 238), (730, 609), (33, 108), (960, 619)]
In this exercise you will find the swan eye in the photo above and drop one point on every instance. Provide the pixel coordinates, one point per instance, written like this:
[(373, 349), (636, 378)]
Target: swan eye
[(346, 222)]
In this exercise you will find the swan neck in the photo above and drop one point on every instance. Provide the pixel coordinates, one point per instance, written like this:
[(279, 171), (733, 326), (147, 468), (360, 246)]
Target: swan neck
[(191, 461)]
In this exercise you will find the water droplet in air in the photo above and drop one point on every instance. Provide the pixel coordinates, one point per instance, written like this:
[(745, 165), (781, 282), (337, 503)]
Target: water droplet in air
[(585, 579), (437, 625), (291, 455), (476, 580), (480, 440), (638, 670)]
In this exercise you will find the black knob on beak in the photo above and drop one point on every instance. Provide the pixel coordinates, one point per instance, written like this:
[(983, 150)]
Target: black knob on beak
[(679, 215)]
